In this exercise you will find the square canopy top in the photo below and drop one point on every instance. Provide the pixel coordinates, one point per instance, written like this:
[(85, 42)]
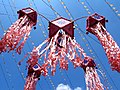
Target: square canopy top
[(28, 10), (61, 22), (97, 16)]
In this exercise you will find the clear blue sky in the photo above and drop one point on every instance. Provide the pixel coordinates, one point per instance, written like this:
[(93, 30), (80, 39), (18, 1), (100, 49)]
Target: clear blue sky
[(11, 75)]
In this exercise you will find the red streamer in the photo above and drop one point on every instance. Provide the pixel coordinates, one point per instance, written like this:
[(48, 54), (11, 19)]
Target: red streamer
[(91, 76), (18, 33), (111, 48)]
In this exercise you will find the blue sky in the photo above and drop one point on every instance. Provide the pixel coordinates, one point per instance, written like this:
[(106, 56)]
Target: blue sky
[(12, 75)]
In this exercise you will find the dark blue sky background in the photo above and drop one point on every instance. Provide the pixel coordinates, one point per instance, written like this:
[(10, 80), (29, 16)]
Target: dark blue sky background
[(12, 75)]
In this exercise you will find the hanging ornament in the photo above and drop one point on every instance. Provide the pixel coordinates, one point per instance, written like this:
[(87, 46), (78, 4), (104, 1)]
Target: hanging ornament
[(96, 26), (17, 34)]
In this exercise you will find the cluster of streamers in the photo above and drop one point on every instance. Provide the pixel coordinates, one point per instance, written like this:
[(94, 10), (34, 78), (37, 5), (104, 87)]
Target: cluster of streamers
[(13, 37), (32, 78), (34, 70), (58, 50), (110, 46), (91, 76)]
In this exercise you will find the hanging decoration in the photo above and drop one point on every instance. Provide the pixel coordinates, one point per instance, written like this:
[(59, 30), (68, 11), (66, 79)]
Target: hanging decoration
[(17, 34), (59, 48), (96, 26), (91, 77)]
